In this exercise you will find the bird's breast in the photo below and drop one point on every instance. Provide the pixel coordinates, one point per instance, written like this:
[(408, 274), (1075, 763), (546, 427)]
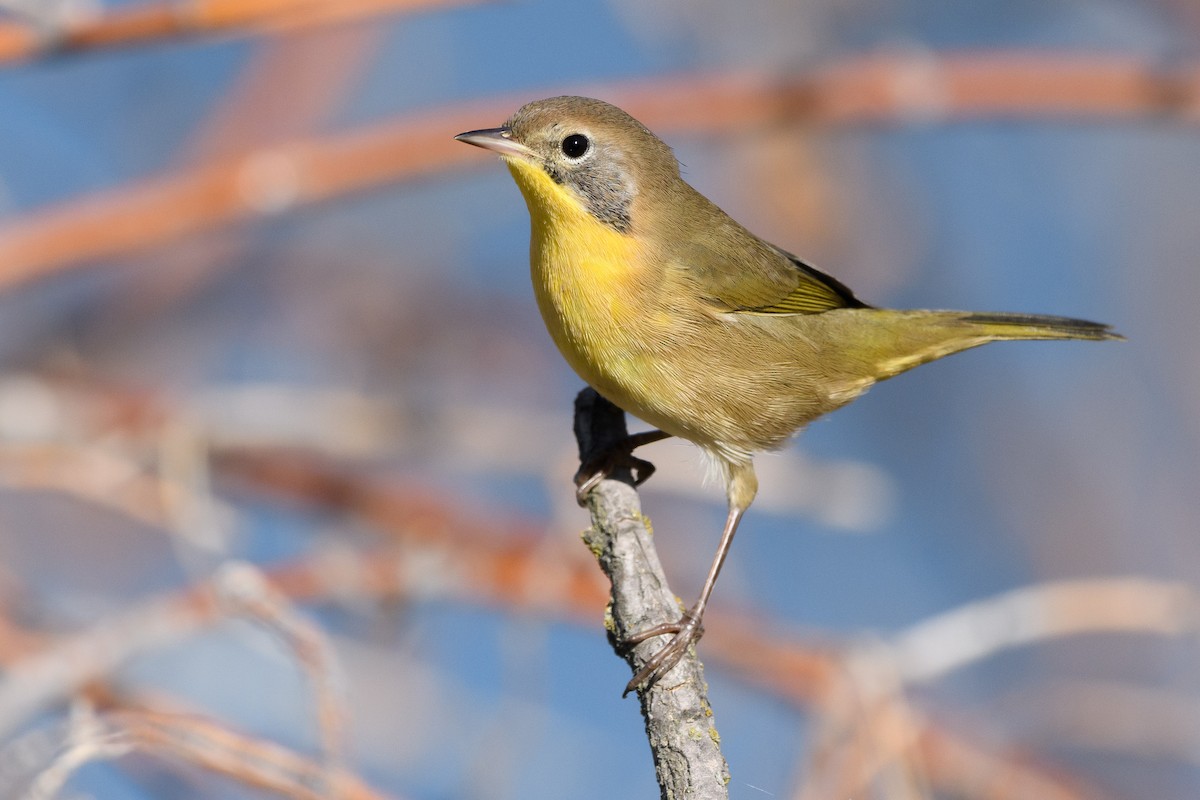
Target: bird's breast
[(590, 284), (588, 297)]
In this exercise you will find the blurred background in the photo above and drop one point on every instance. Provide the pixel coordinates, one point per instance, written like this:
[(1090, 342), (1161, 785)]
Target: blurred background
[(285, 451)]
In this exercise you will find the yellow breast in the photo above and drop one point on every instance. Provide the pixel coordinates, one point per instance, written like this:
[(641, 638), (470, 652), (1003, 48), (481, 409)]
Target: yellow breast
[(585, 280)]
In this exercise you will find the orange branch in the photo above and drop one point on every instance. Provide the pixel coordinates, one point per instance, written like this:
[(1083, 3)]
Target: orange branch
[(289, 88), (149, 22), (250, 761), (177, 736), (873, 90), (158, 210), (497, 562)]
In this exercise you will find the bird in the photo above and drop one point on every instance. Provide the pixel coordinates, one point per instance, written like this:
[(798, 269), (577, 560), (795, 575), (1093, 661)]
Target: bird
[(680, 316)]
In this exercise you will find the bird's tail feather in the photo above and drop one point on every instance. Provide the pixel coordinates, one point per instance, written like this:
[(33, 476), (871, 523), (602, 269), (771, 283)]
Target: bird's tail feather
[(1038, 326), (910, 338)]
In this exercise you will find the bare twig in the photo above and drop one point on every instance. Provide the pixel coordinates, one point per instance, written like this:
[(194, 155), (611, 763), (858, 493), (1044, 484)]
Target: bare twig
[(683, 740)]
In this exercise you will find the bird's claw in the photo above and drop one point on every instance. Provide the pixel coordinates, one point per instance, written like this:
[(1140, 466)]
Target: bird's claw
[(599, 467), (686, 630)]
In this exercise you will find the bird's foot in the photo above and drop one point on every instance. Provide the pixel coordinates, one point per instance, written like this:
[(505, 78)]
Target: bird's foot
[(686, 631), (620, 455)]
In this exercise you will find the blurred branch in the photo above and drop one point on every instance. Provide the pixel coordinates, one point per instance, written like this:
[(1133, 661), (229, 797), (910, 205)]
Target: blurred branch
[(960, 766), (806, 674), (1053, 610), (270, 181), (245, 592), (679, 726), (192, 739), (148, 22), (872, 738), (871, 741), (87, 740), (884, 89), (1142, 721), (441, 552), (290, 87), (16, 640), (836, 685), (94, 474), (50, 675)]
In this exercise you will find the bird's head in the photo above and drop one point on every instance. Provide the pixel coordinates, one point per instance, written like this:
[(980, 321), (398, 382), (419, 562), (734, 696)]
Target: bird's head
[(581, 151)]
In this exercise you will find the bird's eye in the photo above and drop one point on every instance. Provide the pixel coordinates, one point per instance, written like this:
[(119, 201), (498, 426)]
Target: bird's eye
[(575, 145)]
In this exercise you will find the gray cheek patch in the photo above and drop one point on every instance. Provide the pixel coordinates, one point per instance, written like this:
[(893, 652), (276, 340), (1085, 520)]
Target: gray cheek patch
[(602, 186), (607, 194)]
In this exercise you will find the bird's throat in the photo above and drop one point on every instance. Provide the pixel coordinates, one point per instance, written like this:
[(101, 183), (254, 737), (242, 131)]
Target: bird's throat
[(584, 276), (588, 287)]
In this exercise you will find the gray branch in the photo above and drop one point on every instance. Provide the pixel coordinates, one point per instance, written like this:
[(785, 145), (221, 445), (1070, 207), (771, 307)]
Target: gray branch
[(679, 720)]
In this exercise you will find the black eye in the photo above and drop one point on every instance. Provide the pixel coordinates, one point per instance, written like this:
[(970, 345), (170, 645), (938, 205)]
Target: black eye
[(575, 145)]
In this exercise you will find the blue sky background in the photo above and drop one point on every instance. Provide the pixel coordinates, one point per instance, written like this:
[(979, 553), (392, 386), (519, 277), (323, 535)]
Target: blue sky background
[(999, 468)]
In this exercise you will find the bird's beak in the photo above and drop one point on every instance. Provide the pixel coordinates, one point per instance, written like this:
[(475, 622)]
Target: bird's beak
[(498, 140)]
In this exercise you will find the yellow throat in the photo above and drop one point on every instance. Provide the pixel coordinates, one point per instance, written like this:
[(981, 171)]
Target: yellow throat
[(583, 273)]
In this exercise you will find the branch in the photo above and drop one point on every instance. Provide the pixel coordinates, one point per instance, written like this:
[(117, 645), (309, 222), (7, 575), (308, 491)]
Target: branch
[(685, 745), (192, 739), (151, 22), (873, 90), (1047, 611)]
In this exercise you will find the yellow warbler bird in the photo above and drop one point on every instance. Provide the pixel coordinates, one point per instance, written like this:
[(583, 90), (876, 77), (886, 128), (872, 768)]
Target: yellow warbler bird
[(679, 315)]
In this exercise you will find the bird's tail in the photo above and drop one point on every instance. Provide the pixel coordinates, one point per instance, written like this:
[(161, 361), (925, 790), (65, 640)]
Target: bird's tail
[(906, 339), (1037, 326)]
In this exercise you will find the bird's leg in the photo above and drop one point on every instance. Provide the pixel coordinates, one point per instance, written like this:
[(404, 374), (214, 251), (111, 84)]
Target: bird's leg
[(689, 628), (599, 466)]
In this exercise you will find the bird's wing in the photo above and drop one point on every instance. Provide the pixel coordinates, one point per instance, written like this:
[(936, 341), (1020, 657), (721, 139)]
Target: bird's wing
[(774, 283), (813, 293)]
